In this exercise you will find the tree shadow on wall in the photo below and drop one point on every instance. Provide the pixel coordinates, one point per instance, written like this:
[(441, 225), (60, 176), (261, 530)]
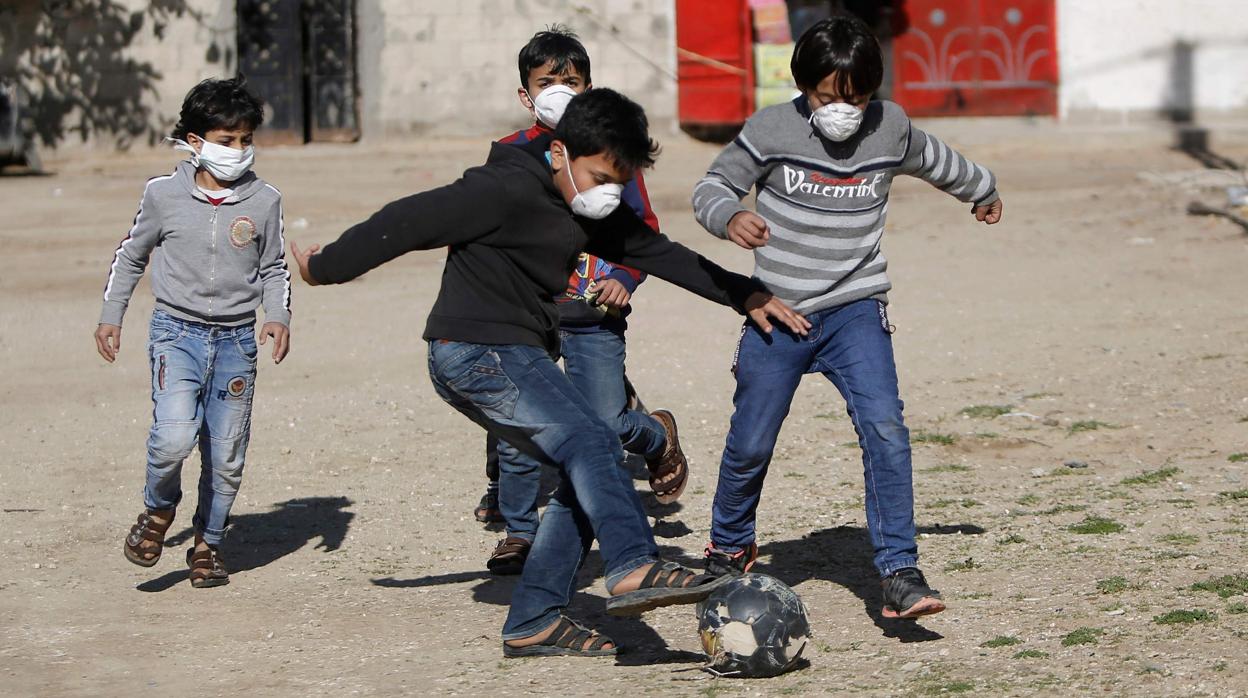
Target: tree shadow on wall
[(71, 59)]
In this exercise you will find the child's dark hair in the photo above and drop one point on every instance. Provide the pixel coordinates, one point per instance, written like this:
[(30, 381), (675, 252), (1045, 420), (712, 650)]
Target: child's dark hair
[(218, 104), (558, 44), (602, 120), (842, 45)]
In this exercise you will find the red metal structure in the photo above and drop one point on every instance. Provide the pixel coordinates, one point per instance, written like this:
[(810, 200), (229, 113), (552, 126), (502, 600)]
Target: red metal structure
[(976, 58), (714, 64)]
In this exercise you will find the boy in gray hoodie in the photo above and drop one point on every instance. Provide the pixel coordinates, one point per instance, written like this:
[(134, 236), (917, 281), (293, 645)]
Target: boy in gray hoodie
[(218, 228)]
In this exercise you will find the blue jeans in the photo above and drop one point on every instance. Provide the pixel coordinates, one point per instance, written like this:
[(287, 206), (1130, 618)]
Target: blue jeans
[(594, 362), (203, 382), (851, 346), (519, 395)]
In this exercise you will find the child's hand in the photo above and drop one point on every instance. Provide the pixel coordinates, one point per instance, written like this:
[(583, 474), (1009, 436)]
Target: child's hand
[(988, 214), (748, 229), (611, 293), (760, 306), (108, 341), (301, 258), (281, 339)]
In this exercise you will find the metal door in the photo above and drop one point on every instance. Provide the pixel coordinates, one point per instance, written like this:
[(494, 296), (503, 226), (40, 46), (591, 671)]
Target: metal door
[(299, 56)]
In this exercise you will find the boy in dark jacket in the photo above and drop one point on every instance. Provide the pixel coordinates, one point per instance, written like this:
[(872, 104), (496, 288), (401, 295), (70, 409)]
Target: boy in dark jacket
[(515, 227)]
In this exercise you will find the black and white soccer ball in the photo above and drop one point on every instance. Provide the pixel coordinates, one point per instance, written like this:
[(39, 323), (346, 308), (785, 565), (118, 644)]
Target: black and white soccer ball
[(753, 627)]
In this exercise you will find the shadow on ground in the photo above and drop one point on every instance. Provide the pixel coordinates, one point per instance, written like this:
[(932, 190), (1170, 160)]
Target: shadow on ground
[(256, 540), (842, 555)]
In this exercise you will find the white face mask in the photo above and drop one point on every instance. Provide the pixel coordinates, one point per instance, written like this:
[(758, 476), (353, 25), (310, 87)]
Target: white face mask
[(837, 121), (596, 202), (550, 103), (226, 164)]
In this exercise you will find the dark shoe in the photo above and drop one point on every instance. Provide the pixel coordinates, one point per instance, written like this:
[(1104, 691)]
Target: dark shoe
[(509, 556), (671, 461), (207, 568), (487, 510), (721, 562), (906, 595)]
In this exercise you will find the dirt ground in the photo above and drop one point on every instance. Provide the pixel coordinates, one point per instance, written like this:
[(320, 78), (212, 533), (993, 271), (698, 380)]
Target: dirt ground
[(1076, 380)]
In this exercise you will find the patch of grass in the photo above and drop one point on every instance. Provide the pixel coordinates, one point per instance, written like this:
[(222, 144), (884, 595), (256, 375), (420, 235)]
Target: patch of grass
[(985, 411), (1234, 495), (1030, 654), (829, 415), (1169, 555), (1001, 641), (1183, 617), (1237, 457), (948, 468), (1237, 608), (1113, 585), (1062, 508), (1028, 499), (850, 444), (1089, 425), (1150, 477), (1082, 636), (964, 503), (1011, 539), (1212, 357), (1181, 503), (1179, 538), (940, 689), (922, 436), (790, 473), (967, 564), (1225, 586), (986, 435), (1096, 525), (1040, 395)]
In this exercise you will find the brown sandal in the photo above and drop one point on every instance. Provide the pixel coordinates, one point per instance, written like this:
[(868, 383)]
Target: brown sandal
[(149, 529), (672, 461), (207, 569)]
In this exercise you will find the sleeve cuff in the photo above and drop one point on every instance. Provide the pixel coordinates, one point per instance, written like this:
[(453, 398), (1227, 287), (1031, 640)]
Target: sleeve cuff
[(281, 317), (989, 198), (626, 279), (722, 215), (112, 313)]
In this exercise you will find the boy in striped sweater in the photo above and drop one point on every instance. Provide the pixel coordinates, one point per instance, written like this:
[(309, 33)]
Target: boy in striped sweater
[(823, 165)]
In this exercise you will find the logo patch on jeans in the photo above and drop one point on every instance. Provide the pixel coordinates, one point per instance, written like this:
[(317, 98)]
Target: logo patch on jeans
[(234, 389)]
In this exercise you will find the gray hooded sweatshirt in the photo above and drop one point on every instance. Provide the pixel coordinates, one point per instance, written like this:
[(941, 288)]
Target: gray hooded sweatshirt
[(216, 263)]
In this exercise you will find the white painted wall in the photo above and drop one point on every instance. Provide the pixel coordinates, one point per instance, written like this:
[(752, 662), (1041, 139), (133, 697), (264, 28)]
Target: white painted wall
[(430, 66), (1117, 57)]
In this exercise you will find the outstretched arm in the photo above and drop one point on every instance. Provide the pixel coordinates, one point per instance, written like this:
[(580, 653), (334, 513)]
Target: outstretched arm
[(129, 262), (623, 239), (948, 170), (465, 210)]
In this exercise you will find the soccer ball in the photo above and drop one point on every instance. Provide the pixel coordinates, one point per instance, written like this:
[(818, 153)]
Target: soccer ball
[(753, 627)]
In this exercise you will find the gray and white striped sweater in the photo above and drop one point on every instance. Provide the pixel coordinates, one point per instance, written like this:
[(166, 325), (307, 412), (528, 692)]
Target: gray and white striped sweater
[(825, 202)]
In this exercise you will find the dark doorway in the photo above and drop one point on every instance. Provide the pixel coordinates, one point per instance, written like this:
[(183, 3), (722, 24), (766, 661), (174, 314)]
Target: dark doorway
[(299, 55)]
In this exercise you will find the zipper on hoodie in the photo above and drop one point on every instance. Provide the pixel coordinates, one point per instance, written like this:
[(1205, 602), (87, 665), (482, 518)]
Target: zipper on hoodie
[(212, 266)]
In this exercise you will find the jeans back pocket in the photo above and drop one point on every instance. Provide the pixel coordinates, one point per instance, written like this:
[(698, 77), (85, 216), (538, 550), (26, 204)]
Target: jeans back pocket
[(487, 386)]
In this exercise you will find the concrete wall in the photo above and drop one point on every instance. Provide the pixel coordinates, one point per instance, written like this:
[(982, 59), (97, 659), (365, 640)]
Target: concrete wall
[(428, 66), (1125, 59)]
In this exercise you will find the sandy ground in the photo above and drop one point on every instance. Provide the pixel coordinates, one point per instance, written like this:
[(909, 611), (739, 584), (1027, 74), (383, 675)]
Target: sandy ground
[(1107, 325)]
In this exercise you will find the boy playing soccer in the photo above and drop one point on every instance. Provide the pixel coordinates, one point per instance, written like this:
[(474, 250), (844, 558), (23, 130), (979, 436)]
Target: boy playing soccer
[(219, 230), (514, 228), (554, 68), (823, 165)]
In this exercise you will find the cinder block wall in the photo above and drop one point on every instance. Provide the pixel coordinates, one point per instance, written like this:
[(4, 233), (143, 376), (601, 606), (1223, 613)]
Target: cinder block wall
[(432, 67)]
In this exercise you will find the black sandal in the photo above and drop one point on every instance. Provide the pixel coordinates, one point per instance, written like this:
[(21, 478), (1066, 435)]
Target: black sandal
[(568, 639), (666, 584)]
